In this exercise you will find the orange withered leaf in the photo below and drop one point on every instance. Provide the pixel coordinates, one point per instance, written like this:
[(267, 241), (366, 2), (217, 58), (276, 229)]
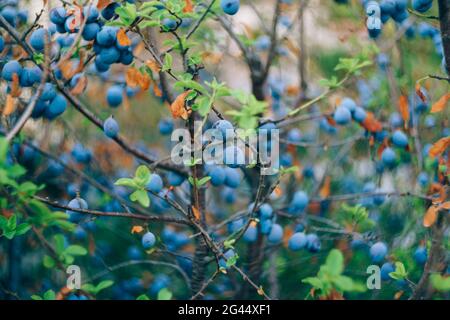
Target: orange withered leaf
[(403, 107), (10, 105), (371, 124), (445, 206), (196, 213), (15, 86), (325, 190), (188, 7), (420, 93), (103, 3), (177, 108), (131, 77), (122, 38), (292, 90), (440, 104), (153, 65), (135, 78), (80, 86), (156, 90), (137, 229), (439, 147), (331, 121), (430, 216)]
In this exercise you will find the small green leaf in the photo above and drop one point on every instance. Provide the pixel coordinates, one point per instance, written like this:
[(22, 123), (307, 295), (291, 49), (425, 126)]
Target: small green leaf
[(126, 182), (75, 250), (141, 196), (164, 294)]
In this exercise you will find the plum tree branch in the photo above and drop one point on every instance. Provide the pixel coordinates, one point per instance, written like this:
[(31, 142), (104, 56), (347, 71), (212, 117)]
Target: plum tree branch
[(115, 214)]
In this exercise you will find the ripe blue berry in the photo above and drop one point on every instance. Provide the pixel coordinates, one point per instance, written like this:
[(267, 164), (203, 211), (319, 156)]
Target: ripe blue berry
[(107, 36), (230, 7), (400, 139), (56, 107), (388, 157), (276, 234), (58, 15), (156, 184), (37, 39), (10, 68), (297, 241), (111, 127), (114, 96), (90, 31), (218, 176), (342, 115), (148, 240), (76, 203), (386, 268), (378, 252)]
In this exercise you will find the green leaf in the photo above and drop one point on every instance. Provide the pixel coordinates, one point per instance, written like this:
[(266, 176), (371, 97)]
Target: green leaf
[(12, 222), (164, 294), (103, 285), (126, 182), (167, 64), (48, 262), (75, 250), (143, 297), (343, 283), (49, 295), (440, 283), (22, 229), (203, 181), (59, 243), (36, 297), (400, 271), (335, 262), (314, 282), (142, 176), (4, 146), (88, 287), (38, 57), (141, 196)]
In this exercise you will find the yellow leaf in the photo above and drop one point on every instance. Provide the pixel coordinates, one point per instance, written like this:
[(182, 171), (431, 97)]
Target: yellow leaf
[(440, 104), (177, 108), (439, 147), (260, 291), (122, 38), (430, 216)]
